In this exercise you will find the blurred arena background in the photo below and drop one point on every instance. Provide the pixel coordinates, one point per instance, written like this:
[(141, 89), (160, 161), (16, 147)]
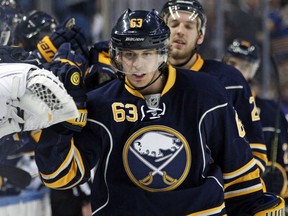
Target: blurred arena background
[(262, 21)]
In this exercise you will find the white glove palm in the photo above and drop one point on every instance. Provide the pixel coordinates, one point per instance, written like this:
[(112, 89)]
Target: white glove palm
[(32, 98)]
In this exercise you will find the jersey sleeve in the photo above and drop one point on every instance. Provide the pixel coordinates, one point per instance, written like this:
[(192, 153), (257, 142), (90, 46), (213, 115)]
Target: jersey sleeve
[(243, 190), (63, 158), (242, 185), (245, 104)]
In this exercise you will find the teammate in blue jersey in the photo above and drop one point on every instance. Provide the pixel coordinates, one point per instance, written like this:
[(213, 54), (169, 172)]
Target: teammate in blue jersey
[(245, 56), (162, 141), (187, 22)]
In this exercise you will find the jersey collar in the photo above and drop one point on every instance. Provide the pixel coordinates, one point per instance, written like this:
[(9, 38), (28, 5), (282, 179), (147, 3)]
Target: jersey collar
[(198, 63), (169, 84)]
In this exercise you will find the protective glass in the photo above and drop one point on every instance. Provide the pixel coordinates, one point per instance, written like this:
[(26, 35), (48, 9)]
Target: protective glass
[(144, 61)]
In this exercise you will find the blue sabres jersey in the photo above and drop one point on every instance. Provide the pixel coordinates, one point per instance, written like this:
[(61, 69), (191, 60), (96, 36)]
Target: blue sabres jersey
[(168, 154), (233, 81), (243, 102), (268, 112), (276, 138)]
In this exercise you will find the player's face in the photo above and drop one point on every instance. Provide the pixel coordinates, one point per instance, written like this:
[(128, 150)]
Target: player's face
[(140, 66), (242, 65), (184, 35)]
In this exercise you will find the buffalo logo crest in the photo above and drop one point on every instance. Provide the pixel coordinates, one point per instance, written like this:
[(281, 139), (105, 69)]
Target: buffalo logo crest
[(157, 158)]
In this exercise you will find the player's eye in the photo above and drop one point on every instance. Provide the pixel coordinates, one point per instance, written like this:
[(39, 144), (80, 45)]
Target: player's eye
[(147, 54), (173, 24), (129, 55)]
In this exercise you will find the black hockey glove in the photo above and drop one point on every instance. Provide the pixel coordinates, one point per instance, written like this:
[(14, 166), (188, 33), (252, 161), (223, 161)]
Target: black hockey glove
[(100, 71), (272, 205), (66, 32), (66, 66), (66, 53)]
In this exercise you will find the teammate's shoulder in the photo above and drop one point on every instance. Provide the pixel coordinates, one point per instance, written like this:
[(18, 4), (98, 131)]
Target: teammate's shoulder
[(223, 70), (266, 101), (199, 83), (12, 54), (196, 77), (222, 67)]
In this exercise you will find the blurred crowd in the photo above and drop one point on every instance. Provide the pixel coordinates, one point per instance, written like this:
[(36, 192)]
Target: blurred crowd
[(262, 22)]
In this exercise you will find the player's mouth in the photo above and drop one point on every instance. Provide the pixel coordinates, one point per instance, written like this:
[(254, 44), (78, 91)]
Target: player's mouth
[(179, 43), (138, 75)]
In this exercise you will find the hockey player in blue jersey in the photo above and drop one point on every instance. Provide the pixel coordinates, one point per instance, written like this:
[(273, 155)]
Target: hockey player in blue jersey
[(187, 22), (162, 141), (245, 56)]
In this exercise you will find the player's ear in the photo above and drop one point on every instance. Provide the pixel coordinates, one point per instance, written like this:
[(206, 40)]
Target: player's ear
[(200, 39)]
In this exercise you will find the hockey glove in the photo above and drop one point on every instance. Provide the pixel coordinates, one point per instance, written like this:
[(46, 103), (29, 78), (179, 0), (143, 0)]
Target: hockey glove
[(66, 32), (66, 54), (70, 74), (273, 205), (275, 178), (32, 98), (101, 71)]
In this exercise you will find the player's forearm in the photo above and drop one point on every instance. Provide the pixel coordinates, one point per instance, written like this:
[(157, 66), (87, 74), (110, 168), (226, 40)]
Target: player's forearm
[(259, 151), (59, 162)]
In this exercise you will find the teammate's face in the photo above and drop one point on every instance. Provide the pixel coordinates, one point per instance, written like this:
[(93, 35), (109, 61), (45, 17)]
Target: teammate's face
[(184, 35), (242, 65), (140, 66)]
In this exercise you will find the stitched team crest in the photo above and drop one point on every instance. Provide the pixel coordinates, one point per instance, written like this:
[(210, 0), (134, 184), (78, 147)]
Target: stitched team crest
[(157, 158)]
